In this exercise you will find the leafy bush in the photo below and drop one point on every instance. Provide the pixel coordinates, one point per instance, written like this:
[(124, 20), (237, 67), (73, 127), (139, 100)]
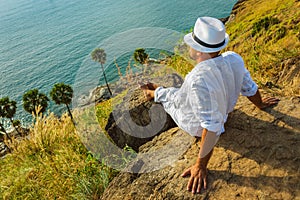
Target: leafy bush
[(279, 33), (263, 24), (140, 56)]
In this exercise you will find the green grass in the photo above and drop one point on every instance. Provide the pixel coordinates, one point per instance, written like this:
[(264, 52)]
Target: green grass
[(104, 109), (181, 65), (265, 34)]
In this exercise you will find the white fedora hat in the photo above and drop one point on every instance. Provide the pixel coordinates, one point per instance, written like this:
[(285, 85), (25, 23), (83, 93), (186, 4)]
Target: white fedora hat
[(209, 35)]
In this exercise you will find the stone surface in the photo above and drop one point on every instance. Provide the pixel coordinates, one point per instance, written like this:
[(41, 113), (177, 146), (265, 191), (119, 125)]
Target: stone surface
[(289, 75), (135, 121), (256, 158)]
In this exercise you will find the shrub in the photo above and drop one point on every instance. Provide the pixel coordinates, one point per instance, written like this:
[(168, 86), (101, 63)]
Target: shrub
[(263, 24), (140, 56)]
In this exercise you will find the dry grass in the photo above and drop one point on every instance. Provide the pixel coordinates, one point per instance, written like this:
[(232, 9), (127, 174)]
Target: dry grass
[(266, 33), (52, 164)]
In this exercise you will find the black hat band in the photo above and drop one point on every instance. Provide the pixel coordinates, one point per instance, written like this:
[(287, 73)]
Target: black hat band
[(205, 44)]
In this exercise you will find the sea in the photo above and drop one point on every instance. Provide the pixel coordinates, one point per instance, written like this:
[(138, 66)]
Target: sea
[(43, 42)]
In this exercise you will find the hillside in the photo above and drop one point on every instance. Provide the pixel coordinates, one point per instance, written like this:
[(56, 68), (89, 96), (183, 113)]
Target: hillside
[(257, 158), (267, 35)]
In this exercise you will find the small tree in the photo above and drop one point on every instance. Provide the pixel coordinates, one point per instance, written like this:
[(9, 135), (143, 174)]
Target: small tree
[(140, 56), (9, 109), (99, 55), (62, 94), (32, 99), (2, 129)]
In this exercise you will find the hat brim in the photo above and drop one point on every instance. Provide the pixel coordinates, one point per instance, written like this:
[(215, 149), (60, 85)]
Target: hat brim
[(189, 40)]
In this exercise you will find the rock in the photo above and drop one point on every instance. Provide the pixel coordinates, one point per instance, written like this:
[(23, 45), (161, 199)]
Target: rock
[(1, 137), (256, 156), (96, 95), (290, 73), (136, 121), (224, 20), (99, 94), (238, 6), (103, 95)]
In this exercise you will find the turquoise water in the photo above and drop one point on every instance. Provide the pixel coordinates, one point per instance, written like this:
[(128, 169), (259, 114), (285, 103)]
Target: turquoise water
[(43, 42)]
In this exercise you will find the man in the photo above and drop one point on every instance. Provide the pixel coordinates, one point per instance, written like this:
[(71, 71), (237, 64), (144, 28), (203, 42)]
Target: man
[(209, 92)]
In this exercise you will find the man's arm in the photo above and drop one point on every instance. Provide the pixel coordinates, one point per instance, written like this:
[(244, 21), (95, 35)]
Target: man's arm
[(198, 171), (262, 102), (163, 95)]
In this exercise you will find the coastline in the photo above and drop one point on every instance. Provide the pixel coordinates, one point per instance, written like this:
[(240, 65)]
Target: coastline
[(257, 158)]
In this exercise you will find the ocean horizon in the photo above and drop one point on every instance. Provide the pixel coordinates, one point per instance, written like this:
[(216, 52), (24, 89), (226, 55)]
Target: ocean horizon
[(48, 41)]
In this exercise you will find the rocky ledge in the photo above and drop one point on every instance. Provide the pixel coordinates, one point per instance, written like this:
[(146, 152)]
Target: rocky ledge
[(256, 158)]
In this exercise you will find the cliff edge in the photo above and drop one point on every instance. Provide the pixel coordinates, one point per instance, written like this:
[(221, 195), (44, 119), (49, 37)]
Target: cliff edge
[(256, 158)]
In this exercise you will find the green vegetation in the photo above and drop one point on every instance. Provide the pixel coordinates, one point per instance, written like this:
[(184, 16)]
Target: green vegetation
[(180, 64), (53, 164), (263, 24), (265, 34), (99, 55), (104, 109), (62, 94), (140, 56)]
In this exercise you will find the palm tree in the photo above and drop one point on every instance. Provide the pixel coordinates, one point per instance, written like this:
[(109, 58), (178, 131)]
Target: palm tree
[(62, 94), (32, 99), (9, 109), (99, 55)]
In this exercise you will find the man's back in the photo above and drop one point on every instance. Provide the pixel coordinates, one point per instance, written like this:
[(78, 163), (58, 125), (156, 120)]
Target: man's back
[(226, 77), (209, 93)]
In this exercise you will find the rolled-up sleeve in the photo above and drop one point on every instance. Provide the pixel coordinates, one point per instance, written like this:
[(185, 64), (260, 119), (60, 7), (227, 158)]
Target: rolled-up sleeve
[(162, 95), (206, 107), (249, 87)]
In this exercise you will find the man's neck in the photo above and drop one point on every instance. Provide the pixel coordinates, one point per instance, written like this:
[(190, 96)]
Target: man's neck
[(207, 56)]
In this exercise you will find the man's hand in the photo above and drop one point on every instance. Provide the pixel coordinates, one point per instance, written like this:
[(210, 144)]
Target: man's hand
[(262, 103), (148, 90), (198, 178), (198, 171), (268, 101)]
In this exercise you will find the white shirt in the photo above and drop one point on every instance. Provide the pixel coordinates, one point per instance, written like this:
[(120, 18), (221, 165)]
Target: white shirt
[(208, 93)]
